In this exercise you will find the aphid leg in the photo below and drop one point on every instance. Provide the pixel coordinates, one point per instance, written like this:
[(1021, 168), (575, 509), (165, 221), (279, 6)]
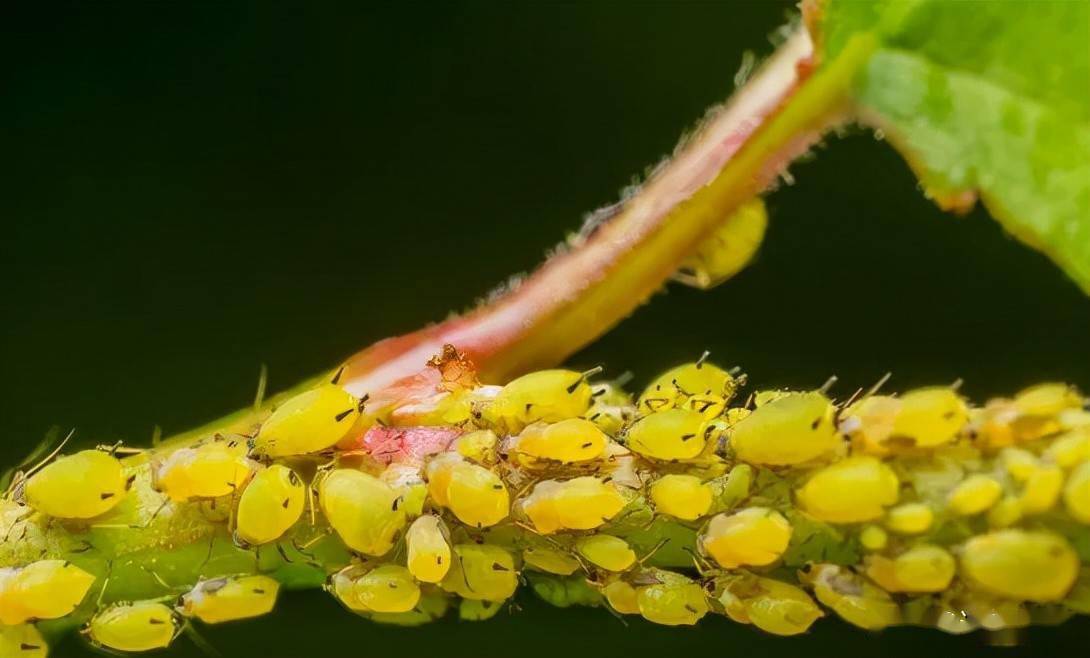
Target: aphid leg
[(157, 577), (197, 639), (654, 549), (829, 383), (48, 458)]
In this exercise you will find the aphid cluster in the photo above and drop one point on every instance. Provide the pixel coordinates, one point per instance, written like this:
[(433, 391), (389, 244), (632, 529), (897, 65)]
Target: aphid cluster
[(772, 508)]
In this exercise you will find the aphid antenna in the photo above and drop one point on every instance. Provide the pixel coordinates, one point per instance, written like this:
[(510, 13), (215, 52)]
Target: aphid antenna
[(105, 583), (159, 579), (699, 563), (735, 371), (654, 549), (48, 458), (584, 376), (337, 376), (197, 639), (147, 524), (852, 398), (702, 359), (262, 381), (829, 383), (878, 385)]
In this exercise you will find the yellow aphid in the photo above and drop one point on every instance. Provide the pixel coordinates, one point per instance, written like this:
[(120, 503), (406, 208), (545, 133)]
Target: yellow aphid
[(1041, 490), (545, 395), (477, 496), (668, 435), (729, 248), (1005, 513), (611, 409), (364, 511), (681, 496), (482, 572), (622, 597), (139, 626), (1022, 565), (870, 422), (309, 422), (438, 473), (22, 641), (388, 588), (270, 505), (1049, 399), (550, 560), (1077, 494), (974, 495), (78, 486), (923, 568), (213, 469), (854, 490), (606, 552), (691, 379), (227, 599), (910, 518), (568, 441), (674, 601), (853, 598), (755, 536), (1020, 464), (429, 551), (930, 416), (873, 538), (793, 429), (708, 406), (583, 503), (1069, 449), (761, 398), (778, 608), (479, 446), (46, 589)]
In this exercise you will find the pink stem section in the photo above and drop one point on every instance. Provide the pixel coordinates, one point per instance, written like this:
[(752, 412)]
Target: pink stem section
[(577, 296)]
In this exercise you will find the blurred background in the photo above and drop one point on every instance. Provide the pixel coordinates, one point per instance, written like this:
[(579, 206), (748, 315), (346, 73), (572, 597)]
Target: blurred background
[(191, 190)]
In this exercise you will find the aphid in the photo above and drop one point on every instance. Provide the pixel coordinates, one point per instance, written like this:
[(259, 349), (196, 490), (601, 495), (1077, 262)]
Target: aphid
[(611, 409), (568, 441), (1070, 449), (479, 446), (46, 589), (476, 495), (1077, 494), (309, 422), (1041, 490), (388, 588), (873, 538), (428, 549), (668, 435), (606, 552), (227, 599), (851, 597), (771, 605), (545, 395), (755, 536), (1020, 564), (482, 572), (920, 569), (583, 503), (677, 386), (976, 494), (78, 486), (1048, 399), (870, 421), (622, 597), (550, 560), (930, 416), (729, 248), (138, 626), (910, 518), (1005, 513), (210, 470), (794, 429), (22, 641), (853, 490), (681, 496), (1020, 464), (362, 510), (270, 505), (673, 601)]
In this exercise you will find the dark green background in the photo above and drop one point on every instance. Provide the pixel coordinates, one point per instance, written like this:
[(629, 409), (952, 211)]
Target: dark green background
[(189, 191)]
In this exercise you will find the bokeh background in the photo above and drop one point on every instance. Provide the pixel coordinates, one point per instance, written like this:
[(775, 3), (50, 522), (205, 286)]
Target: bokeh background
[(190, 190)]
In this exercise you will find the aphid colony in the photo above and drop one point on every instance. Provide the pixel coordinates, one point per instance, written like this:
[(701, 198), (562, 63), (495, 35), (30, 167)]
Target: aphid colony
[(912, 509)]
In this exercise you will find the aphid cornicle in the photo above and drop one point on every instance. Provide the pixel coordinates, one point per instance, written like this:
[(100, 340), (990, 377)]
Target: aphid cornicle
[(83, 485), (309, 422), (793, 429), (363, 510), (668, 435), (209, 470), (138, 626), (227, 599), (22, 641), (46, 589), (545, 395), (270, 505)]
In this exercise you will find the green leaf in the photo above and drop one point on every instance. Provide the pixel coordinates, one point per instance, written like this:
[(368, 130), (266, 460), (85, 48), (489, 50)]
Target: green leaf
[(987, 98)]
